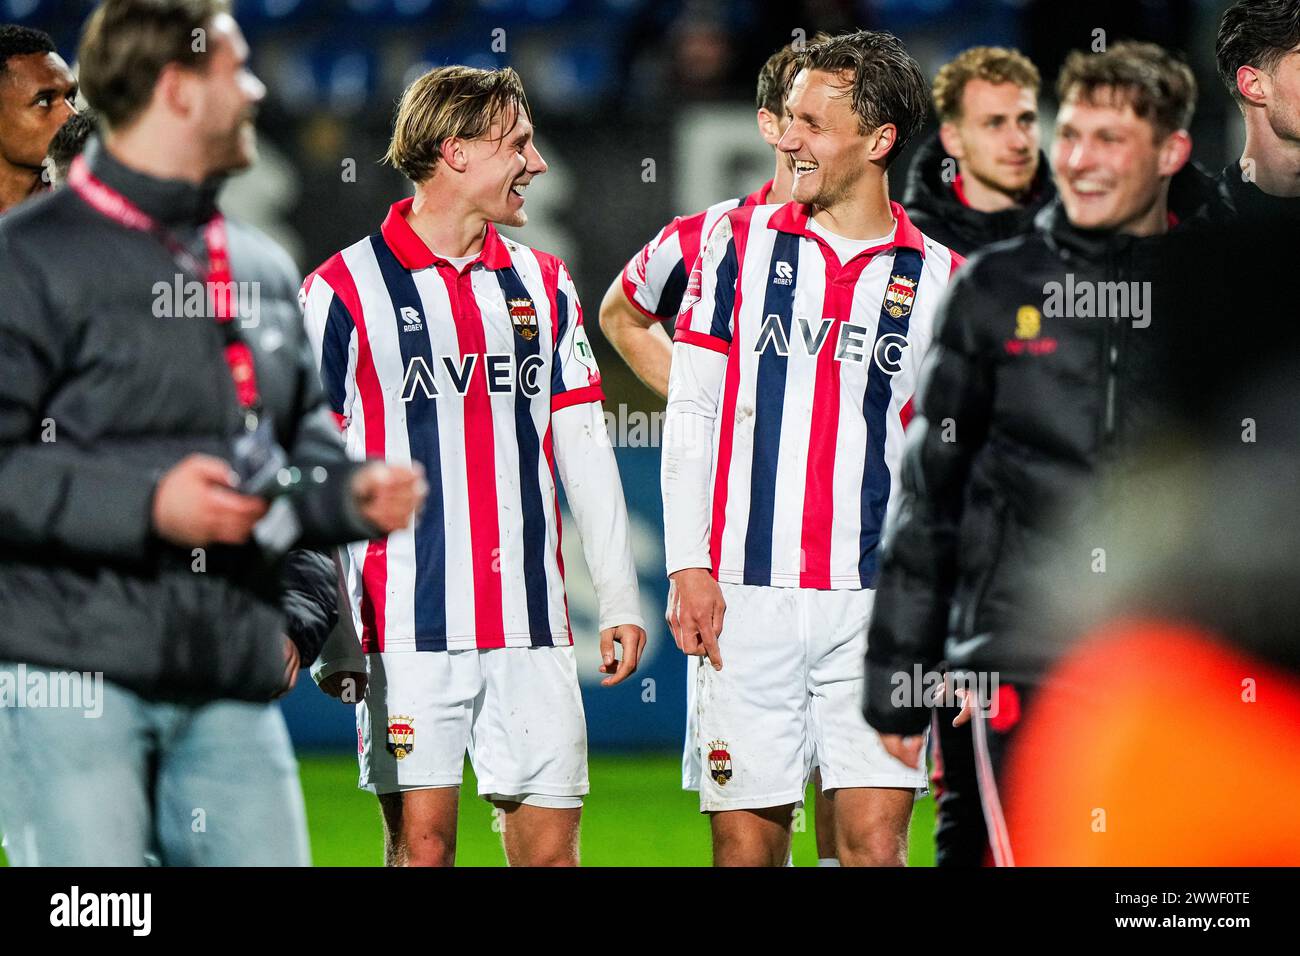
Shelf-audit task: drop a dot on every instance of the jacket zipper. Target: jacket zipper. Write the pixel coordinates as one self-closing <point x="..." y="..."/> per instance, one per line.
<point x="1113" y="335"/>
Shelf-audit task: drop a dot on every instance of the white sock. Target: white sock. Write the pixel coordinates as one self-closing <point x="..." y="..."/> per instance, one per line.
<point x="827" y="861"/>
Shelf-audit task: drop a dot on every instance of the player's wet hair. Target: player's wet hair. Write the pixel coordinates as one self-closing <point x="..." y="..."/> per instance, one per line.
<point x="993" y="64"/>
<point x="22" y="41"/>
<point x="1255" y="33"/>
<point x="777" y="73"/>
<point x="1159" y="86"/>
<point x="448" y="101"/>
<point x="126" y="43"/>
<point x="886" y="86"/>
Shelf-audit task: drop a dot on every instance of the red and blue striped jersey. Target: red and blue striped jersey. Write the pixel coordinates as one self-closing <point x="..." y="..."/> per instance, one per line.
<point x="655" y="278"/>
<point x="460" y="370"/>
<point x="822" y="363"/>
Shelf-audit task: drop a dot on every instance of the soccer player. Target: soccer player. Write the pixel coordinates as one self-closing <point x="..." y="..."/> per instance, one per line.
<point x="1258" y="54"/>
<point x="649" y="291"/>
<point x="37" y="95"/>
<point x="1027" y="400"/>
<point x="982" y="178"/>
<point x="442" y="342"/>
<point x="794" y="362"/>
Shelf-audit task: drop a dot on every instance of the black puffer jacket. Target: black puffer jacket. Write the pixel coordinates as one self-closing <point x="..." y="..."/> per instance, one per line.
<point x="1235" y="198"/>
<point x="935" y="209"/>
<point x="99" y="397"/>
<point x="1020" y="410"/>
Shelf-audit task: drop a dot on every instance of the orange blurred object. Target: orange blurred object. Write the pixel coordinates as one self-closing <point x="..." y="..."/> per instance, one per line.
<point x="1155" y="744"/>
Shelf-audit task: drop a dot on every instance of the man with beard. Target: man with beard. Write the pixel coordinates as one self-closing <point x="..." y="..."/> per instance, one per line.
<point x="154" y="401"/>
<point x="793" y="367"/>
<point x="37" y="95"/>
<point x="982" y="178"/>
<point x="648" y="293"/>
<point x="1039" y="377"/>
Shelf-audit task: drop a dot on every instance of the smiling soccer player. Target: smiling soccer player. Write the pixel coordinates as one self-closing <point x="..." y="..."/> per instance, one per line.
<point x="441" y="341"/>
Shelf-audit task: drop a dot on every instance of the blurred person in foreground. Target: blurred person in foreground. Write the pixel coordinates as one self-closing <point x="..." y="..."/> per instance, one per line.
<point x="1181" y="662"/>
<point x="442" y="342"/>
<point x="1040" y="377"/>
<point x="38" y="94"/>
<point x="153" y="402"/>
<point x="781" y="450"/>
<point x="982" y="178"/>
<point x="648" y="293"/>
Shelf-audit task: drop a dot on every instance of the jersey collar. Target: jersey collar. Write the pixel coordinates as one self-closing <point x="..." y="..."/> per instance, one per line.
<point x="759" y="198"/>
<point x="793" y="217"/>
<point x="413" y="254"/>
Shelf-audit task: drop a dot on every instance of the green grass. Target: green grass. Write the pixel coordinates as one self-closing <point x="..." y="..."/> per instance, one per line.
<point x="637" y="815"/>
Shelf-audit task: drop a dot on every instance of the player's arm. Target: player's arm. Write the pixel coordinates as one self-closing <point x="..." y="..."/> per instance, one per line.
<point x="919" y="557"/>
<point x="702" y="343"/>
<point x="640" y="298"/>
<point x="638" y="337"/>
<point x="589" y="473"/>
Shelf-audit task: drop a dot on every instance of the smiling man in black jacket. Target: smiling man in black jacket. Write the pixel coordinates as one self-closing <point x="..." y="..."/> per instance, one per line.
<point x="163" y="443"/>
<point x="982" y="178"/>
<point x="1039" y="375"/>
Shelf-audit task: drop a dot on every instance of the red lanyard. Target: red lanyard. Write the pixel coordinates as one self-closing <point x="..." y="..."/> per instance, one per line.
<point x="216" y="277"/>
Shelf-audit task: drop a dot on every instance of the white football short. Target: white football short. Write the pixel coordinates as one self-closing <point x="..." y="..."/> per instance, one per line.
<point x="517" y="711"/>
<point x="791" y="687"/>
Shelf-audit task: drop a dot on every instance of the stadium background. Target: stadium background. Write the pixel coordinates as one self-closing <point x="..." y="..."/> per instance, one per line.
<point x="644" y="110"/>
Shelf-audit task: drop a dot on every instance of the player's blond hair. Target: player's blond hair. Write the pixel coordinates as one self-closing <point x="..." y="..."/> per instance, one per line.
<point x="993" y="64"/>
<point x="459" y="101"/>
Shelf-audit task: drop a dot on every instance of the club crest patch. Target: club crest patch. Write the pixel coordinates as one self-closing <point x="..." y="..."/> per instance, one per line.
<point x="401" y="735"/>
<point x="524" y="317"/>
<point x="899" y="296"/>
<point x="719" y="762"/>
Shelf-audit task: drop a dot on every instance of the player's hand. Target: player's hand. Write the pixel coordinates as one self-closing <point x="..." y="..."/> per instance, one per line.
<point x="195" y="504"/>
<point x="292" y="664"/>
<point x="967" y="707"/>
<point x="347" y="686"/>
<point x="700" y="610"/>
<point x="389" y="495"/>
<point x="906" y="749"/>
<point x="633" y="640"/>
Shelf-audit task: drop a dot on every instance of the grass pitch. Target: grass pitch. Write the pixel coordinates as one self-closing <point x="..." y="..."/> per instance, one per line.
<point x="637" y="815"/>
